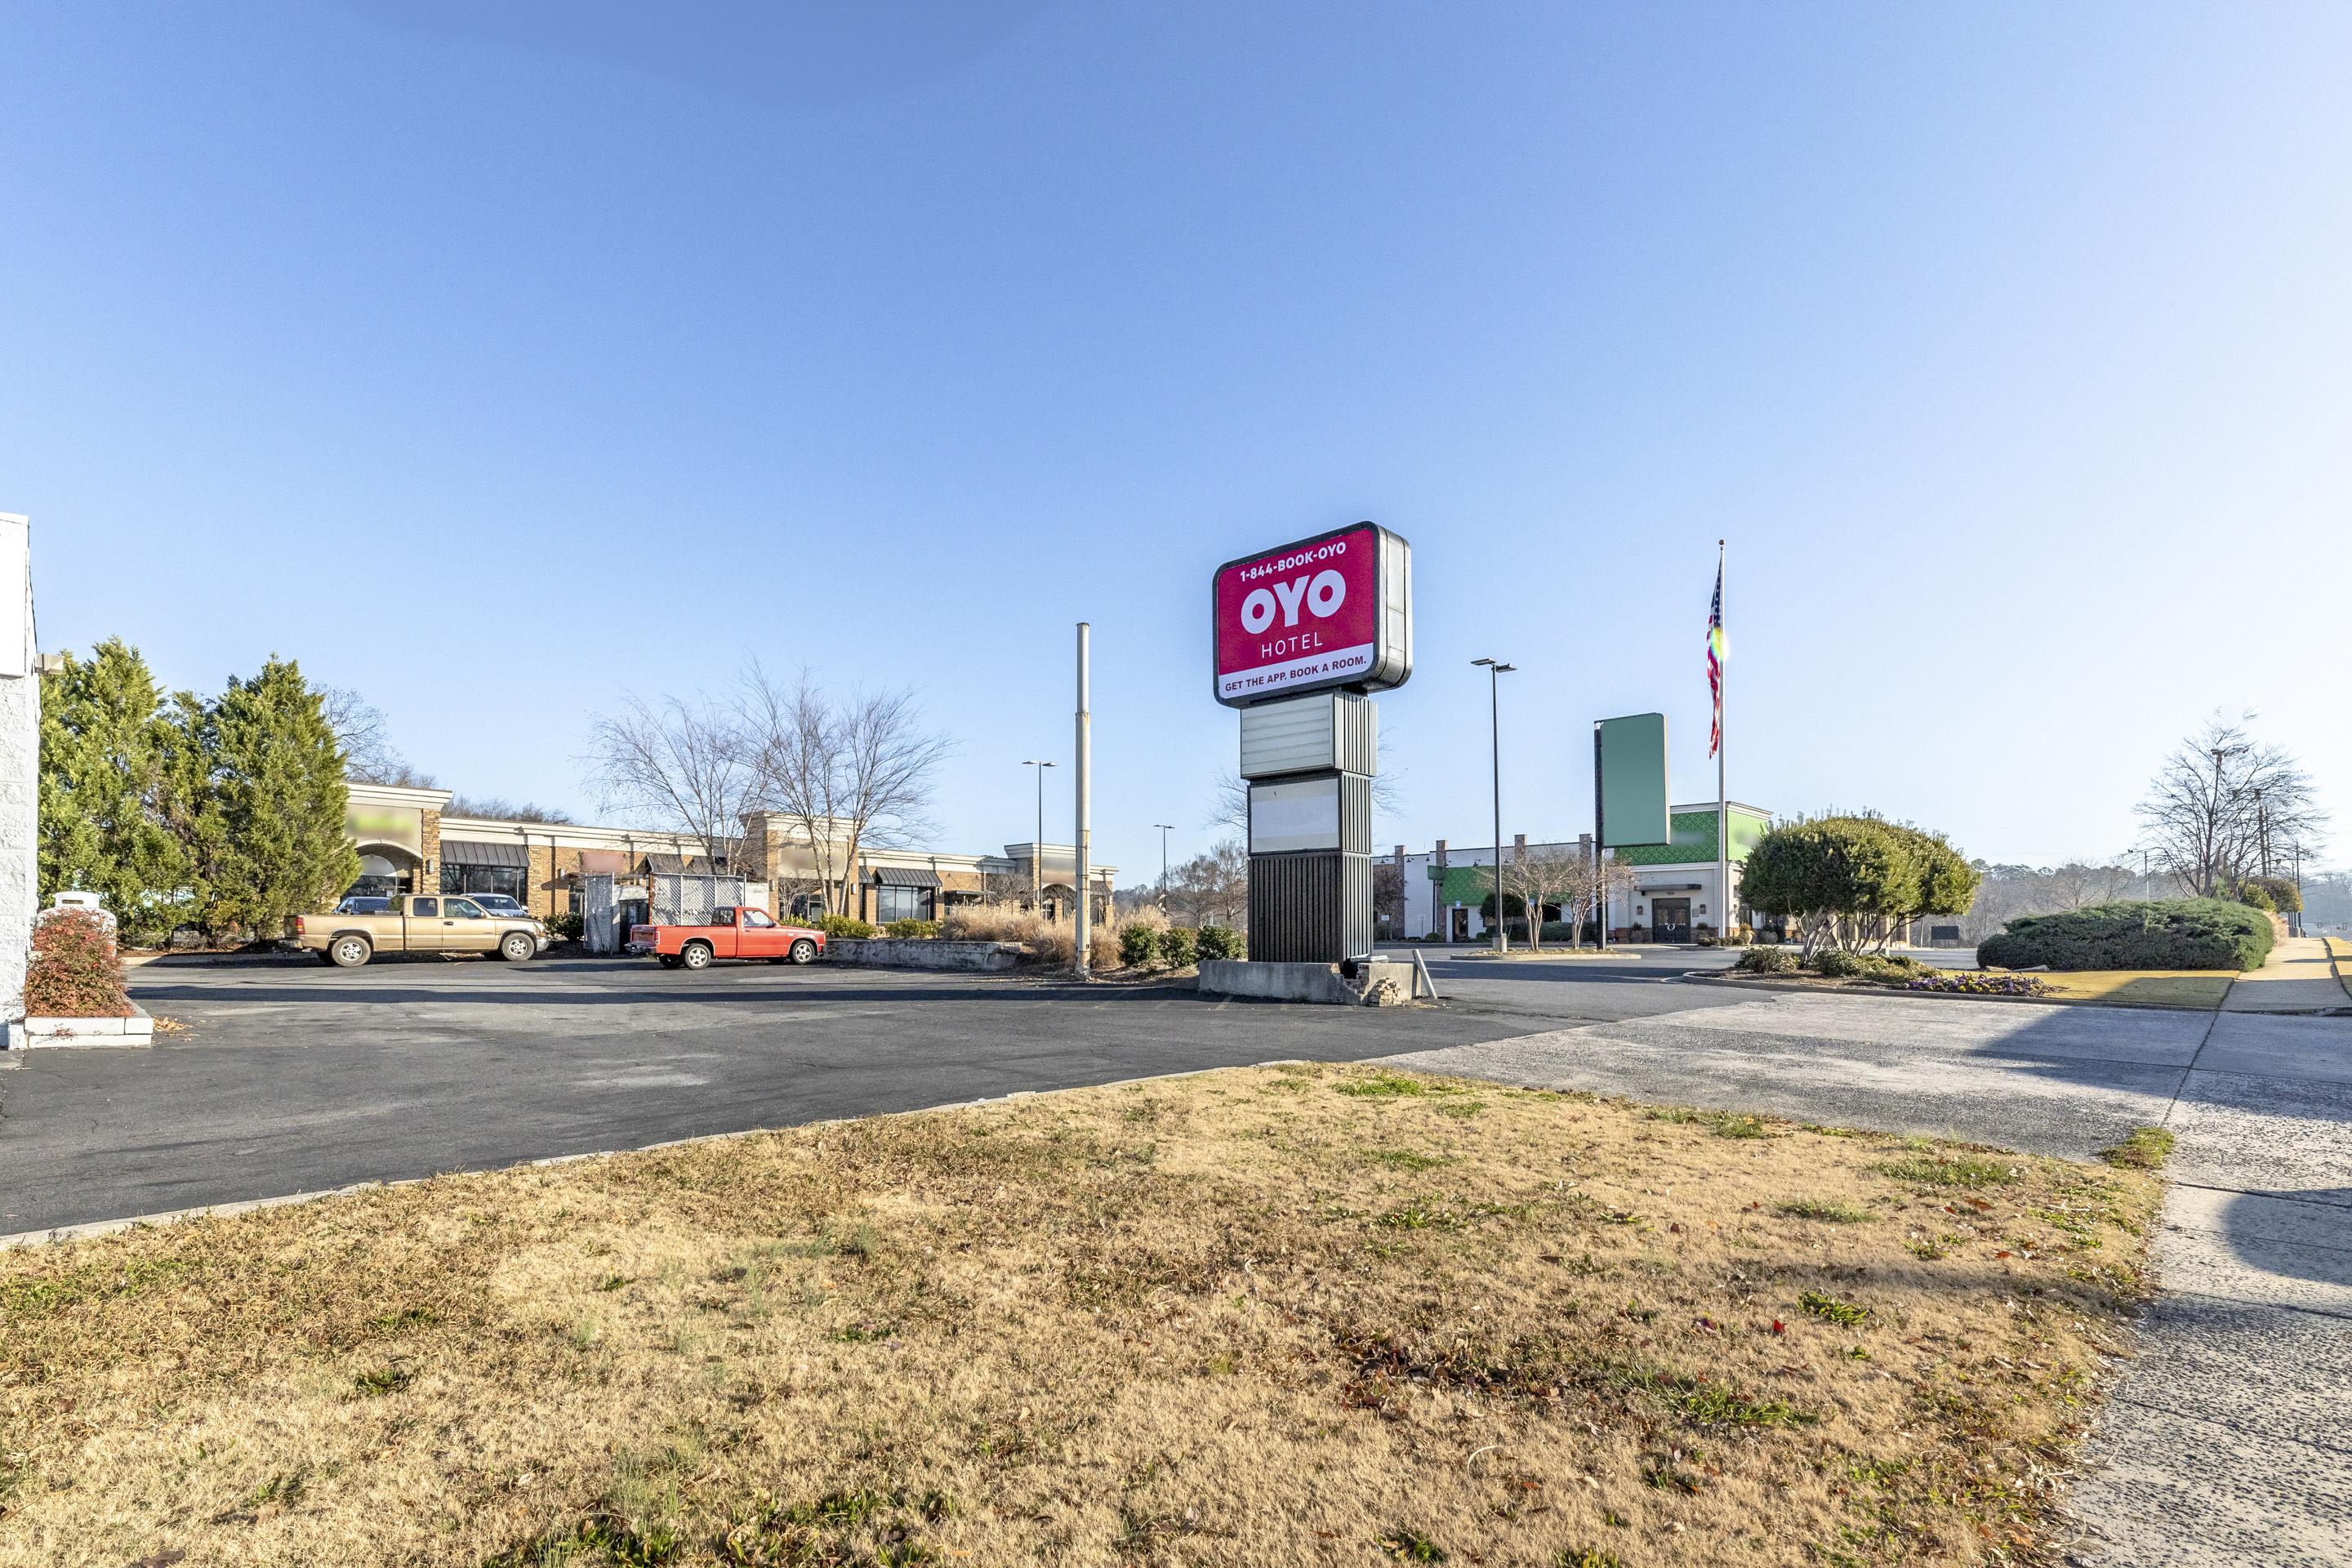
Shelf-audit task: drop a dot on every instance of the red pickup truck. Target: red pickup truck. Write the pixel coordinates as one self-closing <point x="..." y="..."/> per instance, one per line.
<point x="743" y="932"/>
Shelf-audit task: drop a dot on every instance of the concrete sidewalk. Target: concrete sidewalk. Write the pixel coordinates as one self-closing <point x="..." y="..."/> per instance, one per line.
<point x="2297" y="977"/>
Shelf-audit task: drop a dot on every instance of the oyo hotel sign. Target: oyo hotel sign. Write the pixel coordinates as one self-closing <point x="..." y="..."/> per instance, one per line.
<point x="1332" y="611"/>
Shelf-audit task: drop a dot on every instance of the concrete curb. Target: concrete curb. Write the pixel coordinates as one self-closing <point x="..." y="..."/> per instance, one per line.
<point x="200" y="960"/>
<point x="1788" y="987"/>
<point x="99" y="1228"/>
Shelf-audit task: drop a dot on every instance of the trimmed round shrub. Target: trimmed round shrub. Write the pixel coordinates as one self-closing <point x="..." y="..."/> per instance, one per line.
<point x="912" y="929"/>
<point x="2283" y="895"/>
<point x="1138" y="947"/>
<point x="1220" y="943"/>
<point x="840" y="926"/>
<point x="1179" y="948"/>
<point x="2167" y="933"/>
<point x="1767" y="960"/>
<point x="74" y="972"/>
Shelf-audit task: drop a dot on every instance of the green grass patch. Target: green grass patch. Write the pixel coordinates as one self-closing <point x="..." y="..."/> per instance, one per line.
<point x="1412" y="1546"/>
<point x="1708" y="1404"/>
<point x="382" y="1381"/>
<point x="1829" y="1309"/>
<point x="1383" y="1086"/>
<point x="127" y="1281"/>
<point x="1834" y="1210"/>
<point x="2147" y="1149"/>
<point x="1406" y="1160"/>
<point x="1949" y="1170"/>
<point x="1726" y="1123"/>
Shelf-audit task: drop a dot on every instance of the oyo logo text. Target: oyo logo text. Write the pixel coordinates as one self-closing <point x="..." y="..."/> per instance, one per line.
<point x="1323" y="594"/>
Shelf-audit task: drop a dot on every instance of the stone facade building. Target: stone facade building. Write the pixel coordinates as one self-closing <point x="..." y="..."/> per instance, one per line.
<point x="408" y="842"/>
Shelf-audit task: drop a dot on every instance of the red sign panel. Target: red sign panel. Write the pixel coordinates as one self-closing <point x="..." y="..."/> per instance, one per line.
<point x="1325" y="612"/>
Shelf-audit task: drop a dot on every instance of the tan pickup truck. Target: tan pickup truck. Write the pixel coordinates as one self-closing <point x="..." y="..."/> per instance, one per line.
<point x="420" y="922"/>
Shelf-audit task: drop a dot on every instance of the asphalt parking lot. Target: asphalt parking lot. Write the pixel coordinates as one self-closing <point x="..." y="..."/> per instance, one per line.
<point x="294" y="1079"/>
<point x="302" y="1078"/>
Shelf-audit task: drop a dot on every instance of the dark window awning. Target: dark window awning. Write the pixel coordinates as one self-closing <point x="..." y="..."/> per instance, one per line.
<point x="460" y="852"/>
<point x="678" y="865"/>
<point x="897" y="877"/>
<point x="1672" y="887"/>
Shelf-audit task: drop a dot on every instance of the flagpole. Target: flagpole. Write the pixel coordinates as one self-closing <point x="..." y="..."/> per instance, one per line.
<point x="1724" y="916"/>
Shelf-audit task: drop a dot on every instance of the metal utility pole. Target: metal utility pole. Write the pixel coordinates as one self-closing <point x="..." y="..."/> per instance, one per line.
<point x="1164" y="828"/>
<point x="2262" y="831"/>
<point x="1086" y="801"/>
<point x="1726" y="916"/>
<point x="1495" y="673"/>
<point x="1037" y="849"/>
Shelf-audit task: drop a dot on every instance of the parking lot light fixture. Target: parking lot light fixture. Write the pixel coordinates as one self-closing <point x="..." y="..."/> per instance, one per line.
<point x="1494" y="672"/>
<point x="1165" y="828"/>
<point x="1038" y="849"/>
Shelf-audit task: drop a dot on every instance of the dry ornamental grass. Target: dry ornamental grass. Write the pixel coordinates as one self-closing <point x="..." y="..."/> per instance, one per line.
<point x="1266" y="1316"/>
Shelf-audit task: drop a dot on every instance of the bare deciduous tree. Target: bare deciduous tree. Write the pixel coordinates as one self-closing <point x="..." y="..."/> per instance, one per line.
<point x="678" y="765"/>
<point x="1592" y="882"/>
<point x="1544" y="874"/>
<point x="2224" y="807"/>
<point x="850" y="773"/>
<point x="369" y="755"/>
<point x="1212" y="889"/>
<point x="495" y="809"/>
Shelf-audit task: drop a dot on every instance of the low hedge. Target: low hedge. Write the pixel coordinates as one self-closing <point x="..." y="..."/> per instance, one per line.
<point x="1215" y="942"/>
<point x="841" y="927"/>
<point x="2170" y="933"/>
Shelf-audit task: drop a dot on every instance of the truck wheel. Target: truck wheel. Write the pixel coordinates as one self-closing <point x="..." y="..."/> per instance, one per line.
<point x="805" y="952"/>
<point x="695" y="956"/>
<point x="349" y="952"/>
<point x="518" y="945"/>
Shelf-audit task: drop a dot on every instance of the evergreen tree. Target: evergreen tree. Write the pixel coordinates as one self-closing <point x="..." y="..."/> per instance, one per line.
<point x="270" y="827"/>
<point x="102" y="825"/>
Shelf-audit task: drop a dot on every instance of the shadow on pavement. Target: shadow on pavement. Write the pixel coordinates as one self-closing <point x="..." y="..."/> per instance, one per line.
<point x="2314" y="1242"/>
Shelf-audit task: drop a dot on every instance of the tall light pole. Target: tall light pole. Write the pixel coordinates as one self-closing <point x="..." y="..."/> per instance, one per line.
<point x="1495" y="673"/>
<point x="1085" y="811"/>
<point x="1164" y="828"/>
<point x="1037" y="849"/>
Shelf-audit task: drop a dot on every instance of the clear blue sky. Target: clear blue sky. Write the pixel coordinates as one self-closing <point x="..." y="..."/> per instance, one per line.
<point x="486" y="366"/>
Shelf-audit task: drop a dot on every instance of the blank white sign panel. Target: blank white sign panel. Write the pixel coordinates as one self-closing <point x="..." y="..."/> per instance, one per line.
<point x="1300" y="815"/>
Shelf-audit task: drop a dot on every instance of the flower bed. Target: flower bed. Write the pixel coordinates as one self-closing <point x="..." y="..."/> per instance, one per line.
<point x="1968" y="984"/>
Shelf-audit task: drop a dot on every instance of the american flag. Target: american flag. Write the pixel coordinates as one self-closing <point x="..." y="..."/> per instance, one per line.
<point x="1715" y="650"/>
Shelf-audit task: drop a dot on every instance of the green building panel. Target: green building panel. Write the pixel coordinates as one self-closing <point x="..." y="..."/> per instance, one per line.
<point x="1693" y="844"/>
<point x="1694" y="839"/>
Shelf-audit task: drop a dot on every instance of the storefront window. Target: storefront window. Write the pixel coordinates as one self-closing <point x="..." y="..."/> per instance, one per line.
<point x="902" y="904"/>
<point x="511" y="881"/>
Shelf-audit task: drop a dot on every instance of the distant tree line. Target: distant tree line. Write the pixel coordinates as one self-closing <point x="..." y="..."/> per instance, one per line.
<point x="223" y="813"/>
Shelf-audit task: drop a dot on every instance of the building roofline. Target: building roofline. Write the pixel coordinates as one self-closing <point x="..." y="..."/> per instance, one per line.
<point x="398" y="794"/>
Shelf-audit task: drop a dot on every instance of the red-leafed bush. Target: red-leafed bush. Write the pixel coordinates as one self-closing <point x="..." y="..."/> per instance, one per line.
<point x="74" y="973"/>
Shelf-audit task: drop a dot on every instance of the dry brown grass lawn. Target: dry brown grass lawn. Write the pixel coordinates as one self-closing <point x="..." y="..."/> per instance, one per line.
<point x="1269" y="1316"/>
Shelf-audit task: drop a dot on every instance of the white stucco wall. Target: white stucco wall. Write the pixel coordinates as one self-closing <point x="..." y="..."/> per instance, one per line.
<point x="20" y="760"/>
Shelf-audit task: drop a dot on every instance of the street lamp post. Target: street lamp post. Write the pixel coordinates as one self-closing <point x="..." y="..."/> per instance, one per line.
<point x="1038" y="849"/>
<point x="1164" y="829"/>
<point x="1494" y="672"/>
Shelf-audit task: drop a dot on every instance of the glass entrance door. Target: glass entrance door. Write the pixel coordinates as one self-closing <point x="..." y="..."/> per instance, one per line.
<point x="1670" y="919"/>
